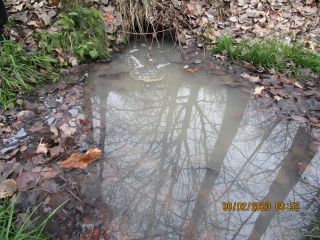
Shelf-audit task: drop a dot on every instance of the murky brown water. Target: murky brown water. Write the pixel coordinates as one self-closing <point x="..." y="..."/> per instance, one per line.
<point x="177" y="145"/>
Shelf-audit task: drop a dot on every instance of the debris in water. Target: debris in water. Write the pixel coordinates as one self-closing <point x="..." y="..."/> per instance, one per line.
<point x="162" y="65"/>
<point x="137" y="62"/>
<point x="190" y="69"/>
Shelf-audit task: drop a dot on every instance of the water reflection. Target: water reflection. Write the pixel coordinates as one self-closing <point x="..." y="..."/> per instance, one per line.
<point x="176" y="149"/>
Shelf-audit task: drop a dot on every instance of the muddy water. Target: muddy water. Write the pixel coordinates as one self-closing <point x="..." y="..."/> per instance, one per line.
<point x="177" y="145"/>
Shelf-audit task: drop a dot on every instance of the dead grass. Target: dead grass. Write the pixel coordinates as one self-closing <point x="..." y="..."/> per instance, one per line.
<point x="136" y="15"/>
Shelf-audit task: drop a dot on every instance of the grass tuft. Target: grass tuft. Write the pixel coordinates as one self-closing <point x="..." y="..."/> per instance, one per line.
<point x="29" y="229"/>
<point x="21" y="72"/>
<point x="270" y="54"/>
<point x="81" y="34"/>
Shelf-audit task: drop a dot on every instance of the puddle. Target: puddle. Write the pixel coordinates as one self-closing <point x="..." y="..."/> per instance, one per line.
<point x="178" y="145"/>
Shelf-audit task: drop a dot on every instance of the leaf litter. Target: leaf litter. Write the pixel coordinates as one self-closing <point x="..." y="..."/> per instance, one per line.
<point x="31" y="166"/>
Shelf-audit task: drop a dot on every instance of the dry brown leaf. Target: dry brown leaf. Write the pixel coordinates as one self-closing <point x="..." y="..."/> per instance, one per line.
<point x="7" y="188"/>
<point x="190" y="9"/>
<point x="191" y="69"/>
<point x="108" y="18"/>
<point x="61" y="59"/>
<point x="78" y="160"/>
<point x="48" y="173"/>
<point x="73" y="61"/>
<point x="56" y="151"/>
<point x="299" y="85"/>
<point x="54" y="131"/>
<point x="67" y="130"/>
<point x="258" y="90"/>
<point x="42" y="148"/>
<point x="277" y="98"/>
<point x="58" y="50"/>
<point x="27" y="180"/>
<point x="253" y="79"/>
<point x="299" y="118"/>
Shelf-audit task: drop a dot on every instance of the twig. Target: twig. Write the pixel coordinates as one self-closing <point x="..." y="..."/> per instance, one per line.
<point x="73" y="194"/>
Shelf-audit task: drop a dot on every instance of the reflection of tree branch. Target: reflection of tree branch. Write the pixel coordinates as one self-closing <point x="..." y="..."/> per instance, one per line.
<point x="293" y="165"/>
<point x="229" y="127"/>
<point x="264" y="138"/>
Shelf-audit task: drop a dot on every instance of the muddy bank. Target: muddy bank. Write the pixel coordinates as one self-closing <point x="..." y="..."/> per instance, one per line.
<point x="52" y="125"/>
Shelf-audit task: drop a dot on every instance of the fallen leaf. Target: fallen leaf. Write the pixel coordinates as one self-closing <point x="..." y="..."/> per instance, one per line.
<point x="253" y="79"/>
<point x="27" y="180"/>
<point x="299" y="118"/>
<point x="42" y="148"/>
<point x="299" y="85"/>
<point x="277" y="98"/>
<point x="221" y="57"/>
<point x="22" y="115"/>
<point x="191" y="69"/>
<point x="48" y="173"/>
<point x="258" y="90"/>
<point x="190" y="9"/>
<point x="67" y="130"/>
<point x="51" y="186"/>
<point x="78" y="160"/>
<point x="54" y="131"/>
<point x="58" y="50"/>
<point x="56" y="151"/>
<point x="108" y="18"/>
<point x="73" y="61"/>
<point x="61" y="59"/>
<point x="7" y="188"/>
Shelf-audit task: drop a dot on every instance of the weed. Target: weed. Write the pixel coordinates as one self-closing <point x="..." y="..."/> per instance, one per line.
<point x="270" y="54"/>
<point x="29" y="229"/>
<point x="21" y="72"/>
<point x="81" y="34"/>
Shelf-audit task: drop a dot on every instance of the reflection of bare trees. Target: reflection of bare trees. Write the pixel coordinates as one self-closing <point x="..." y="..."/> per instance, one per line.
<point x="229" y="127"/>
<point x="293" y="165"/>
<point x="175" y="152"/>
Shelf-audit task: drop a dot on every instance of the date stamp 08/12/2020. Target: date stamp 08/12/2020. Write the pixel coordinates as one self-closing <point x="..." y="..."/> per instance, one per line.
<point x="261" y="206"/>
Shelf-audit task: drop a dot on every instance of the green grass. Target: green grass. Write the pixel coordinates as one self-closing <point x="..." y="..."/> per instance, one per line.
<point x="313" y="231"/>
<point x="21" y="72"/>
<point x="80" y="34"/>
<point x="29" y="229"/>
<point x="270" y="54"/>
